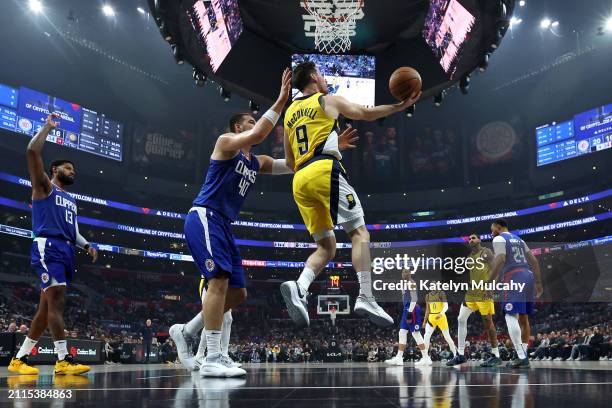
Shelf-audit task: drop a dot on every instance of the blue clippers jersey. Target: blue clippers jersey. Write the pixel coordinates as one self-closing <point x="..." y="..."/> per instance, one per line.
<point x="515" y="253"/>
<point x="54" y="216"/>
<point x="227" y="185"/>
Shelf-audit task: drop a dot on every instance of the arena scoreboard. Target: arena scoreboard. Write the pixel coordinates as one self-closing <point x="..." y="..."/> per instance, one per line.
<point x="25" y="110"/>
<point x="587" y="132"/>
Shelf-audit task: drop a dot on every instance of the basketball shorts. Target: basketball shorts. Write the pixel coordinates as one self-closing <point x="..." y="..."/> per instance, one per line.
<point x="519" y="301"/>
<point x="416" y="319"/>
<point x="485" y="308"/>
<point x="325" y="198"/>
<point x="213" y="247"/>
<point x="441" y="323"/>
<point x="53" y="261"/>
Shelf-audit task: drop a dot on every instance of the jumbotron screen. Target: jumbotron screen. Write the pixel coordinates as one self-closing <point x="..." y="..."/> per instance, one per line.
<point x="585" y="133"/>
<point x="447" y="26"/>
<point x="25" y="110"/>
<point x="219" y="25"/>
<point x="350" y="76"/>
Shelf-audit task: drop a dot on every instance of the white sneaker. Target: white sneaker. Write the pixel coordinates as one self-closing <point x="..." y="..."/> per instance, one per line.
<point x="367" y="306"/>
<point x="219" y="366"/>
<point x="189" y="363"/>
<point x="234" y="363"/>
<point x="178" y="336"/>
<point x="396" y="361"/>
<point x="197" y="362"/>
<point x="297" y="304"/>
<point x="425" y="361"/>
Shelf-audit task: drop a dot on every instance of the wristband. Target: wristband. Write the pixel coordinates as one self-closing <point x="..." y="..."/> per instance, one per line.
<point x="271" y="116"/>
<point x="279" y="166"/>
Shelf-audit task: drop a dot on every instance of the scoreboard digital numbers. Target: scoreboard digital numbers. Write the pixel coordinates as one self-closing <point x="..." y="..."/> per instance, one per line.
<point x="334" y="283"/>
<point x="587" y="132"/>
<point x="25" y="110"/>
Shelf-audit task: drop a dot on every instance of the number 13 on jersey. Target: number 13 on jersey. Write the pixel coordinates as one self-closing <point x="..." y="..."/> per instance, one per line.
<point x="301" y="135"/>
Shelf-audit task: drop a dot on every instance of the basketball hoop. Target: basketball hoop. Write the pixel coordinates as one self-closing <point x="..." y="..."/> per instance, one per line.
<point x="333" y="22"/>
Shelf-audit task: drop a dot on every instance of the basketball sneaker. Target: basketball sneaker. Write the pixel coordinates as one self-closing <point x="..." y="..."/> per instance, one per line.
<point x="21" y="366"/>
<point x="367" y="306"/>
<point x="425" y="361"/>
<point x="518" y="363"/>
<point x="178" y="336"/>
<point x="458" y="359"/>
<point x="396" y="361"/>
<point x="67" y="366"/>
<point x="218" y="365"/>
<point x="297" y="302"/>
<point x="492" y="362"/>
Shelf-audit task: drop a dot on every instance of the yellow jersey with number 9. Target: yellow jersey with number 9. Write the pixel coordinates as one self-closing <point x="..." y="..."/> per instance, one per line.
<point x="311" y="132"/>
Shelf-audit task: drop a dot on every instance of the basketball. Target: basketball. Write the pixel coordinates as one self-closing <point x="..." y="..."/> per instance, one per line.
<point x="404" y="82"/>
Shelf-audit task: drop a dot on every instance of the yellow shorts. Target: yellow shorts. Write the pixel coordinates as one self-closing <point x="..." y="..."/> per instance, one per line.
<point x="324" y="196"/>
<point x="441" y="323"/>
<point x="484" y="308"/>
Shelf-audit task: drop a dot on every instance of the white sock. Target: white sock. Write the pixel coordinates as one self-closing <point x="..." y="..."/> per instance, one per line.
<point x="464" y="315"/>
<point x="226" y="330"/>
<point x="306" y="278"/>
<point x="213" y="341"/>
<point x="194" y="326"/>
<point x="424" y="353"/>
<point x="26" y="347"/>
<point x="365" y="283"/>
<point x="514" y="331"/>
<point x="525" y="347"/>
<point x="61" y="349"/>
<point x="495" y="351"/>
<point x="202" y="346"/>
<point x="449" y="340"/>
<point x="400" y="353"/>
<point x="428" y="332"/>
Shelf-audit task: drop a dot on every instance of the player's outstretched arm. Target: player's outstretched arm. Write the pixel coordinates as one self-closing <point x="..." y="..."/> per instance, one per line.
<point x="335" y="106"/>
<point x="264" y="125"/>
<point x="269" y="165"/>
<point x="41" y="185"/>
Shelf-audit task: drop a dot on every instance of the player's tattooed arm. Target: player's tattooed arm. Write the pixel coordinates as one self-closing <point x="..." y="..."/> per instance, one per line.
<point x="41" y="185"/>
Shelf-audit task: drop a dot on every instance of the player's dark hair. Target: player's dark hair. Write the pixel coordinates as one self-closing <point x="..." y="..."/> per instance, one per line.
<point x="301" y="75"/>
<point x="501" y="222"/>
<point x="57" y="163"/>
<point x="235" y="119"/>
<point x="473" y="233"/>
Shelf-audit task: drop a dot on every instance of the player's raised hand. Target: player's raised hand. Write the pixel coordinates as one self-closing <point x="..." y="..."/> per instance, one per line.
<point x="347" y="139"/>
<point x="409" y="102"/>
<point x="93" y="252"/>
<point x="285" y="90"/>
<point x="50" y="122"/>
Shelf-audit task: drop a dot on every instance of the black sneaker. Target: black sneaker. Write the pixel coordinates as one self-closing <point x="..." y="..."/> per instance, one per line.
<point x="519" y="363"/>
<point x="492" y="362"/>
<point x="458" y="359"/>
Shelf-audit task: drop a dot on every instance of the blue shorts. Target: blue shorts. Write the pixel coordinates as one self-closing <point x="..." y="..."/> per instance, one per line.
<point x="53" y="261"/>
<point x="213" y="247"/>
<point x="517" y="301"/>
<point x="417" y="319"/>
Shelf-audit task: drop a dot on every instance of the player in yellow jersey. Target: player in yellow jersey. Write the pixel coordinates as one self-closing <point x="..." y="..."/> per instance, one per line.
<point x="435" y="316"/>
<point x="321" y="189"/>
<point x="478" y="300"/>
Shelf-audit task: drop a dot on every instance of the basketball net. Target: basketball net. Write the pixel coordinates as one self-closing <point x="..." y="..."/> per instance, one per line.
<point x="332" y="315"/>
<point x="333" y="22"/>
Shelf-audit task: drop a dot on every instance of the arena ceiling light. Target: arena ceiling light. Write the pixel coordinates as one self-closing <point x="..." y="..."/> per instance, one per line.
<point x="140" y="10"/>
<point x="608" y="25"/>
<point x="35" y="5"/>
<point x="438" y="98"/>
<point x="178" y="54"/>
<point x="545" y="23"/>
<point x="410" y="113"/>
<point x="555" y="24"/>
<point x="514" y="21"/>
<point x="254" y="107"/>
<point x="464" y="84"/>
<point x="225" y="94"/>
<point x="522" y="3"/>
<point x="108" y="10"/>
